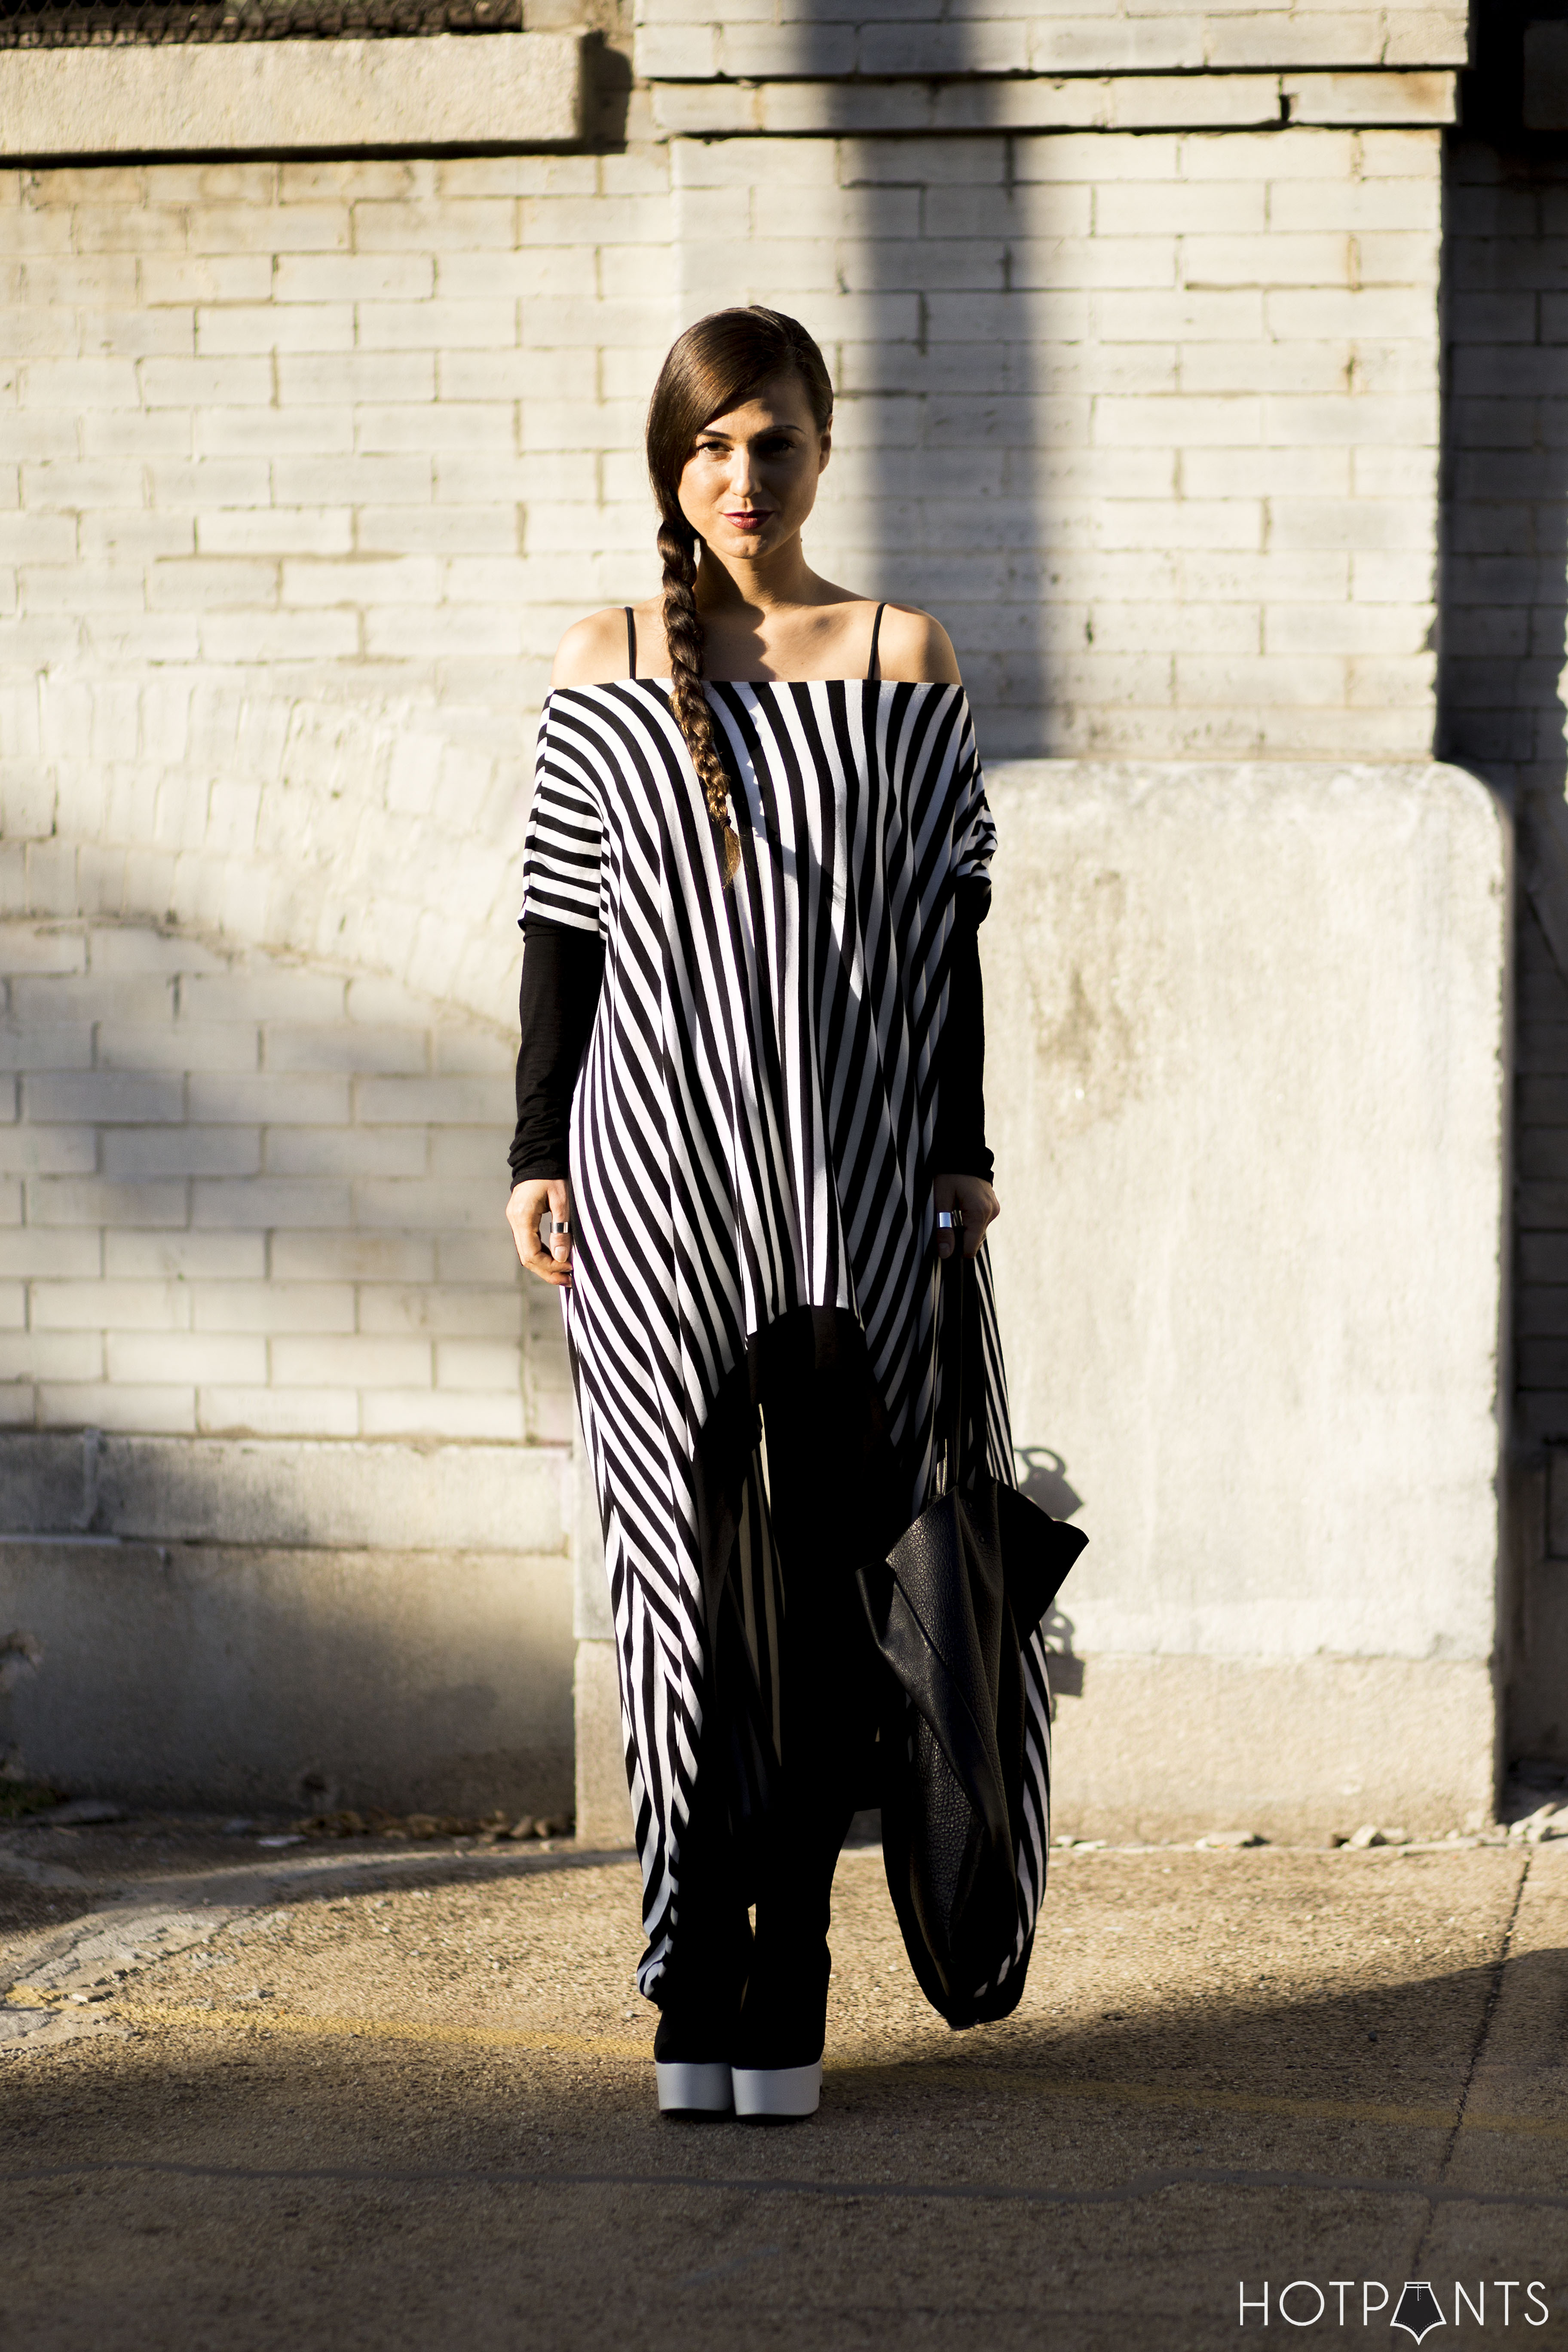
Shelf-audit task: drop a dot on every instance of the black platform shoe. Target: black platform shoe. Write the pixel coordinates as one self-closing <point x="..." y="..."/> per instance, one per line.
<point x="777" y="2064"/>
<point x="698" y="2013"/>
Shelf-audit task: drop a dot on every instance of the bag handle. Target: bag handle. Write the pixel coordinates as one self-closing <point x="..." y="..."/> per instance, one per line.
<point x="955" y="1285"/>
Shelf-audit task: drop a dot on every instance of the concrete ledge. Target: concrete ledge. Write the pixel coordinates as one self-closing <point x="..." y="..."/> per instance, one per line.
<point x="294" y="1492"/>
<point x="429" y="1681"/>
<point x="509" y="89"/>
<point x="1028" y="102"/>
<point x="603" y="1800"/>
<point x="1171" y="1747"/>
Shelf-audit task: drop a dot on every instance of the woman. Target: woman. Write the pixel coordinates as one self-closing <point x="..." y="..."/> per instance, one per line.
<point x="750" y="1085"/>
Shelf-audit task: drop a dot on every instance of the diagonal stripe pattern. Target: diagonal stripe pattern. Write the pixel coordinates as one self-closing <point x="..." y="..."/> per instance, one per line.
<point x="752" y="1131"/>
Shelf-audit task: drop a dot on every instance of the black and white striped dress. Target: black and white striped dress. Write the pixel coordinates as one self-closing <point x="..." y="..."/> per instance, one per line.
<point x="750" y="1135"/>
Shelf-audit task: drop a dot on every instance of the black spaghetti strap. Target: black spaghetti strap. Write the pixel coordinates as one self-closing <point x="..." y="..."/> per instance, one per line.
<point x="871" y="669"/>
<point x="631" y="642"/>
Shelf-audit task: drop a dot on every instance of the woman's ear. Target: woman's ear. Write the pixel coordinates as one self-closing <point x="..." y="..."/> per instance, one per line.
<point x="826" y="446"/>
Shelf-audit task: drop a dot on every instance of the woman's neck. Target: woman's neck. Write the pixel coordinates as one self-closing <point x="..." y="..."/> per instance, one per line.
<point x="776" y="581"/>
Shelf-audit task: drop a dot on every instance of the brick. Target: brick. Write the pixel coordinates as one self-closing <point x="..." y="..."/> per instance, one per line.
<point x="1265" y="472"/>
<point x="277" y="531"/>
<point x="231" y="381"/>
<point x="64" y="483"/>
<point x="273" y="432"/>
<point x="50" y="1356"/>
<point x="354" y="277"/>
<point x="353" y="1257"/>
<point x="362" y="581"/>
<point x="190" y="279"/>
<point x="47" y="1150"/>
<point x="402" y="1101"/>
<point x="30" y="948"/>
<point x="63" y="1254"/>
<point x="279" y="636"/>
<point x="138" y="334"/>
<point x="477" y="1364"/>
<point x="270" y="228"/>
<point x="421" y="328"/>
<point x="386" y="481"/>
<point x="180" y="1045"/>
<point x="1178" y="422"/>
<point x="184" y="1257"/>
<point x="1395" y="629"/>
<point x="1363" y="420"/>
<point x="278" y="1412"/>
<point x="269" y="1306"/>
<point x="210" y="583"/>
<point x="470" y="427"/>
<point x="110" y="1306"/>
<point x="1377" y="314"/>
<point x="441" y="1414"/>
<point x="476" y="223"/>
<point x="168" y="1358"/>
<point x="1353" y="523"/>
<point x="378" y="1361"/>
<point x="101" y="1095"/>
<point x="438" y="530"/>
<point x="294" y="327"/>
<point x="262" y="1203"/>
<point x="210" y="482"/>
<point x="476" y="1053"/>
<point x="181" y="1151"/>
<point x="1272" y="679"/>
<point x="57" y="386"/>
<point x="94" y="1200"/>
<point x="415" y="631"/>
<point x="347" y="1151"/>
<point x="431" y="1206"/>
<point x="346" y="376"/>
<point x="443" y="1310"/>
<point x="117" y="1405"/>
<point x="122" y="538"/>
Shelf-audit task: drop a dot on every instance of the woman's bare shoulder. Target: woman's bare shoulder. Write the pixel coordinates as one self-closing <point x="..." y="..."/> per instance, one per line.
<point x="913" y="646"/>
<point x="592" y="651"/>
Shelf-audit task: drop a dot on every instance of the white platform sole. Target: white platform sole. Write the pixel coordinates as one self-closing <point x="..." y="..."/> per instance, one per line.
<point x="764" y="2091"/>
<point x="687" y="2090"/>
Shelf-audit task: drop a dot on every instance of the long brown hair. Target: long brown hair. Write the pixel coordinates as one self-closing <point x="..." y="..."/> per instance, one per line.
<point x="714" y="366"/>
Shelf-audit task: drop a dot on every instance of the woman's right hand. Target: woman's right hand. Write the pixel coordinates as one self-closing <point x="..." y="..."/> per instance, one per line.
<point x="550" y="1262"/>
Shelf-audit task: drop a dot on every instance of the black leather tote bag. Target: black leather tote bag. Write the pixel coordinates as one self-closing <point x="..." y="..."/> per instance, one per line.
<point x="949" y="1610"/>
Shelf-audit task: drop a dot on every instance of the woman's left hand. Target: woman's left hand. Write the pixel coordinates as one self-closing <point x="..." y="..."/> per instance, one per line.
<point x="979" y="1204"/>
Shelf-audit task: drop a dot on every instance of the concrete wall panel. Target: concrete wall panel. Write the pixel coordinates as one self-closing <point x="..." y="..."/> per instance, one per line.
<point x="1247" y="1088"/>
<point x="187" y="1674"/>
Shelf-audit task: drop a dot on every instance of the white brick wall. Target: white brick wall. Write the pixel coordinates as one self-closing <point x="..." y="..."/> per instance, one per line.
<point x="691" y="39"/>
<point x="303" y="474"/>
<point x="242" y="1196"/>
<point x="1507" y="599"/>
<point x="308" y="466"/>
<point x="1152" y="431"/>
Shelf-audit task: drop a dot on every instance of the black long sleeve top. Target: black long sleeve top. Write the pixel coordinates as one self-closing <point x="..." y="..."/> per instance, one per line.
<point x="564" y="971"/>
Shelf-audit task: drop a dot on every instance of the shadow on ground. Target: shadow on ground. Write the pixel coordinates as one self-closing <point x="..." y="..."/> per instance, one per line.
<point x="424" y="2115"/>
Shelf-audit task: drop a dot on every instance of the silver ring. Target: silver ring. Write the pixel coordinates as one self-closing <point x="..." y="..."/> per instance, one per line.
<point x="560" y="1225"/>
<point x="950" y="1221"/>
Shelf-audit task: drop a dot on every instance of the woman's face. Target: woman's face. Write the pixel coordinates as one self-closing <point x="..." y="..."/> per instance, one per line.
<point x="751" y="480"/>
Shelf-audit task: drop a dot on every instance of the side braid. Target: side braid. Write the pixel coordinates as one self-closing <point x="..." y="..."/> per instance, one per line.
<point x="683" y="634"/>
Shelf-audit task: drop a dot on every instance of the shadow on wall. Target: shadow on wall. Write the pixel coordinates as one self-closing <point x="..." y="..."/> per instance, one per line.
<point x="263" y="1508"/>
<point x="1502" y="710"/>
<point x="250" y="1196"/>
<point x="941" y="344"/>
<point x="190" y="1674"/>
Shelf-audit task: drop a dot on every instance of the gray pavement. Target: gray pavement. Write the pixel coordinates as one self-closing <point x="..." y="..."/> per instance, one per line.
<point x="358" y="2096"/>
